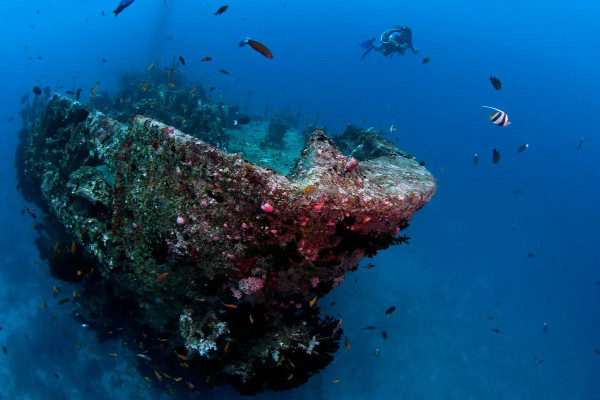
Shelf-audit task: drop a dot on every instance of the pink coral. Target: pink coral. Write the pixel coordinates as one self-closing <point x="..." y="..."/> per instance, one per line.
<point x="250" y="285"/>
<point x="314" y="281"/>
<point x="351" y="164"/>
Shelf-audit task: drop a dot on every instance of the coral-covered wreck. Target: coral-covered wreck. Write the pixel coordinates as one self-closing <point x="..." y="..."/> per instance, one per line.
<point x="214" y="262"/>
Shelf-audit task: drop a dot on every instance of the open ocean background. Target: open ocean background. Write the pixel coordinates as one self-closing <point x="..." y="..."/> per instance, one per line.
<point x="468" y="257"/>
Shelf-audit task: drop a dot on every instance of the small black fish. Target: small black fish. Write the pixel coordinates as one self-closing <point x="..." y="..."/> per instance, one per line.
<point x="580" y="143"/>
<point x="490" y="317"/>
<point x="545" y="327"/>
<point x="63" y="301"/>
<point x="597" y="351"/>
<point x="598" y="283"/>
<point x="70" y="92"/>
<point x="37" y="90"/>
<point x="77" y="94"/>
<point x="495" y="330"/>
<point x="223" y="72"/>
<point x="122" y="5"/>
<point x="39" y="57"/>
<point x="496" y="83"/>
<point x="425" y="60"/>
<point x="522" y="148"/>
<point x="390" y="310"/>
<point x="243" y="120"/>
<point x="11" y="118"/>
<point x="104" y="60"/>
<point x="495" y="156"/>
<point x="221" y="10"/>
<point x="537" y="364"/>
<point x="4" y="350"/>
<point x="211" y="89"/>
<point x="56" y="375"/>
<point x="475" y="159"/>
<point x="181" y="60"/>
<point x="103" y="13"/>
<point x="384" y="334"/>
<point x="368" y="328"/>
<point x="169" y="37"/>
<point x="530" y="255"/>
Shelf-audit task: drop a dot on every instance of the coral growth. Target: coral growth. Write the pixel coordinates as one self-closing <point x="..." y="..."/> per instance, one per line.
<point x="223" y="257"/>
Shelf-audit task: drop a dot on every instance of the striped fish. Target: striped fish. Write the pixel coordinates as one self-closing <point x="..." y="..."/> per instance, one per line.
<point x="499" y="118"/>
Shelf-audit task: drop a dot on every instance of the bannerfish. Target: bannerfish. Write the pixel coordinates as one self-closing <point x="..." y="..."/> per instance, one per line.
<point x="499" y="118"/>
<point x="522" y="147"/>
<point x="261" y="48"/>
<point x="475" y="159"/>
<point x="496" y="83"/>
<point x="221" y="10"/>
<point x="122" y="5"/>
<point x="496" y="156"/>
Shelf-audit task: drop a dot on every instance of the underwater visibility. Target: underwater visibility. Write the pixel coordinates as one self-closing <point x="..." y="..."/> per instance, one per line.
<point x="299" y="200"/>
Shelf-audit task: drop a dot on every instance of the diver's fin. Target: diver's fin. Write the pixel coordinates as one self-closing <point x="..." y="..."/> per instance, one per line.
<point x="367" y="52"/>
<point x="367" y="43"/>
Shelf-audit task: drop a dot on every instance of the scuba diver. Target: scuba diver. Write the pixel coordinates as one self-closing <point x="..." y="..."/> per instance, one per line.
<point x="394" y="40"/>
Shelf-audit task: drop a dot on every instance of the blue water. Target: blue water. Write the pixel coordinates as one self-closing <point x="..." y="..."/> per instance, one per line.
<point x="468" y="257"/>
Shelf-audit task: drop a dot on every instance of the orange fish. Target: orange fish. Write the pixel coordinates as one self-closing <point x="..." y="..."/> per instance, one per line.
<point x="206" y="59"/>
<point x="158" y="375"/>
<point x="313" y="301"/>
<point x="73" y="247"/>
<point x="95" y="88"/>
<point x="347" y="344"/>
<point x="171" y="85"/>
<point x="369" y="266"/>
<point x="145" y="86"/>
<point x="230" y="305"/>
<point x="184" y="358"/>
<point x="113" y="355"/>
<point x="192" y="91"/>
<point x="261" y="48"/>
<point x="335" y="381"/>
<point x="162" y="277"/>
<point x="251" y="319"/>
<point x="121" y="101"/>
<point x="227" y="347"/>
